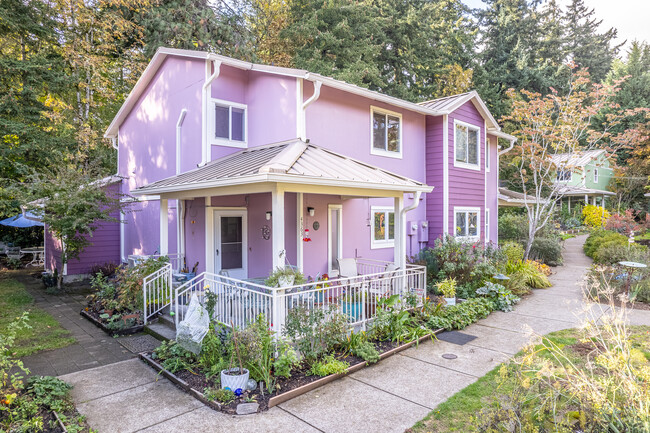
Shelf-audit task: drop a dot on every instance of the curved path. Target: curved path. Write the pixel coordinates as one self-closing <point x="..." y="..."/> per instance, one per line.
<point x="388" y="397"/>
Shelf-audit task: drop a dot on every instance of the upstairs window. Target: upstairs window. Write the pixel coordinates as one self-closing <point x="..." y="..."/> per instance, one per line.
<point x="228" y="123"/>
<point x="467" y="222"/>
<point x="595" y="175"/>
<point x="466" y="149"/>
<point x="383" y="227"/>
<point x="386" y="132"/>
<point x="564" y="174"/>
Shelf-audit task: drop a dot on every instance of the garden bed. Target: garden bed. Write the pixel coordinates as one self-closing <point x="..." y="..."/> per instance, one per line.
<point x="298" y="384"/>
<point x="93" y="316"/>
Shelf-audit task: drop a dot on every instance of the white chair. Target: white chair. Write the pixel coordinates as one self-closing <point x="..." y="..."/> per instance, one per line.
<point x="14" y="253"/>
<point x="386" y="282"/>
<point x="348" y="268"/>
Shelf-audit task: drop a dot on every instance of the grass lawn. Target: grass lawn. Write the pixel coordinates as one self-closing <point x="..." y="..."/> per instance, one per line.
<point x="458" y="413"/>
<point x="45" y="332"/>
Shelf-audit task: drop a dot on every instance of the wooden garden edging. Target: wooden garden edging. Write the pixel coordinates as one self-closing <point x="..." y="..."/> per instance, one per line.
<point x="111" y="332"/>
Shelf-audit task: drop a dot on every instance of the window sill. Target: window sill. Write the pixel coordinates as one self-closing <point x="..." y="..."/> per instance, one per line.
<point x="388" y="154"/>
<point x="475" y="167"/>
<point x="229" y="143"/>
<point x="468" y="239"/>
<point x="378" y="246"/>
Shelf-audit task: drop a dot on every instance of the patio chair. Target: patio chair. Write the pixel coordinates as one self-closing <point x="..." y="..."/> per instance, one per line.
<point x="385" y="284"/>
<point x="14" y="253"/>
<point x="348" y="268"/>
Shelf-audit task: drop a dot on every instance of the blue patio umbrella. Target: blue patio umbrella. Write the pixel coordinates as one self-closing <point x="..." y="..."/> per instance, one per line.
<point x="20" y="221"/>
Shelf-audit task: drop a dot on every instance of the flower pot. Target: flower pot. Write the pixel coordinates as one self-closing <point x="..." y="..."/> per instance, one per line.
<point x="450" y="301"/>
<point x="286" y="280"/>
<point x="234" y="381"/>
<point x="353" y="310"/>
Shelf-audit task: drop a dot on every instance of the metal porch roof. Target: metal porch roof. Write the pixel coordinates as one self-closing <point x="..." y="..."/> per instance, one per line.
<point x="578" y="159"/>
<point x="291" y="161"/>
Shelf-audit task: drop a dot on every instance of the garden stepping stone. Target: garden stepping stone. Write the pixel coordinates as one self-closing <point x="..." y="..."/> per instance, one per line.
<point x="247" y="408"/>
<point x="456" y="337"/>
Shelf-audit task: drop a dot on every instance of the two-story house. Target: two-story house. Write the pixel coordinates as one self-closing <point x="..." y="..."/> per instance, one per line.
<point x="242" y="167"/>
<point x="585" y="177"/>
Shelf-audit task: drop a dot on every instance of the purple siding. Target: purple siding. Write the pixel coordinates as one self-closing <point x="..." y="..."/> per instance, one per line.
<point x="492" y="184"/>
<point x="466" y="187"/>
<point x="435" y="176"/>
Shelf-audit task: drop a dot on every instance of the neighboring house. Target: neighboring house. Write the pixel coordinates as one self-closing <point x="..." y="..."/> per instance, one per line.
<point x="241" y="167"/>
<point x="585" y="175"/>
<point x="509" y="198"/>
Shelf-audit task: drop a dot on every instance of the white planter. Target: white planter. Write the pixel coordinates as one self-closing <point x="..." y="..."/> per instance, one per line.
<point x="286" y="280"/>
<point x="234" y="381"/>
<point x="450" y="301"/>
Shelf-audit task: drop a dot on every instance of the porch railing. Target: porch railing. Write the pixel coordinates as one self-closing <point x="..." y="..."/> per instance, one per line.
<point x="239" y="302"/>
<point x="176" y="259"/>
<point x="157" y="291"/>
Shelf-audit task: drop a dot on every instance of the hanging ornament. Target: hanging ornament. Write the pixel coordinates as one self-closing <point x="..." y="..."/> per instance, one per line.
<point x="305" y="236"/>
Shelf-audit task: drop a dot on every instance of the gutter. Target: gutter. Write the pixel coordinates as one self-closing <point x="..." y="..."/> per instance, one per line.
<point x="204" y="112"/>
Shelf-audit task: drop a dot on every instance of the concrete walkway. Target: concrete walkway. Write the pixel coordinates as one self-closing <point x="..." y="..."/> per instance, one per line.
<point x="388" y="397"/>
<point x="93" y="347"/>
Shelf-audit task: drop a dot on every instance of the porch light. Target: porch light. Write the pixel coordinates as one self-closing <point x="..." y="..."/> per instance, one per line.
<point x="311" y="211"/>
<point x="268" y="215"/>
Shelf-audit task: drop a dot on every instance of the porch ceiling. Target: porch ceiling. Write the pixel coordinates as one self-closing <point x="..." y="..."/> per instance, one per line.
<point x="298" y="165"/>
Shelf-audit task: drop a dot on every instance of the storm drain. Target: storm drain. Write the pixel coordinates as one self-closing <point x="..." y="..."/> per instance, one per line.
<point x="456" y="337"/>
<point x="139" y="343"/>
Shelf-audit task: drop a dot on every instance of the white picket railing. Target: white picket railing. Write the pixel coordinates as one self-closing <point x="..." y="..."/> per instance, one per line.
<point x="157" y="291"/>
<point x="239" y="302"/>
<point x="176" y="259"/>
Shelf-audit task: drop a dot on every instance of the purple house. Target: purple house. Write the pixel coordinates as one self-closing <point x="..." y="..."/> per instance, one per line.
<point x="242" y="168"/>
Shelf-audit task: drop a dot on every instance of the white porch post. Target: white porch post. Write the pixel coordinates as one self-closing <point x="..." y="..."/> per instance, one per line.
<point x="164" y="227"/>
<point x="299" y="228"/>
<point x="277" y="236"/>
<point x="400" y="234"/>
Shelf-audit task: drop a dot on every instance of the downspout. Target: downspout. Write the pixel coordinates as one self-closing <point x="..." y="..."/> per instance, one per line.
<point x="180" y="231"/>
<point x="179" y="124"/>
<point x="307" y="103"/>
<point x="204" y="112"/>
<point x="402" y="219"/>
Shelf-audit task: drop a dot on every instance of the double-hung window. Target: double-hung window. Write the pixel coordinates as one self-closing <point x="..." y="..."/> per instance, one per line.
<point x="386" y="133"/>
<point x="229" y="123"/>
<point x="467" y="152"/>
<point x="383" y="227"/>
<point x="595" y="175"/>
<point x="564" y="175"/>
<point x="467" y="223"/>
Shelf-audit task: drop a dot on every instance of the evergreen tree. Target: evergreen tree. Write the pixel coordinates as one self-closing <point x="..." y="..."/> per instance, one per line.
<point x="584" y="44"/>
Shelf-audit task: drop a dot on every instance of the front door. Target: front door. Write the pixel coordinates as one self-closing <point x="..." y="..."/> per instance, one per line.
<point x="334" y="237"/>
<point x="231" y="246"/>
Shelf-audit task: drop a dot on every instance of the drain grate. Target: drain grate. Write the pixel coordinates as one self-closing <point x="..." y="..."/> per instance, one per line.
<point x="449" y="356"/>
<point x="139" y="343"/>
<point x="456" y="337"/>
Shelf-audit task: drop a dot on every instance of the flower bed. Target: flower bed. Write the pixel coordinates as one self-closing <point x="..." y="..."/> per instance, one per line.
<point x="115" y="324"/>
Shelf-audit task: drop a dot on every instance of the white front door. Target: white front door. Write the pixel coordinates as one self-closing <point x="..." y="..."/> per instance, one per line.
<point x="334" y="237"/>
<point x="231" y="243"/>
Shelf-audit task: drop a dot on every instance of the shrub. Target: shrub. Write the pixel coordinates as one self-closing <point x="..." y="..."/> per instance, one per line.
<point x="108" y="269"/>
<point x="447" y="287"/>
<point x="258" y="351"/>
<point x="173" y="357"/>
<point x="612" y="252"/>
<point x="329" y="365"/>
<point x="547" y="250"/>
<point x="129" y="282"/>
<point x="595" y="216"/>
<point x="316" y="332"/>
<point x="393" y="322"/>
<point x="599" y="238"/>
<point x="501" y="298"/>
<point x="513" y="227"/>
<point x="461" y="315"/>
<point x="528" y="273"/>
<point x="286" y="361"/>
<point x="627" y="223"/>
<point x="513" y="251"/>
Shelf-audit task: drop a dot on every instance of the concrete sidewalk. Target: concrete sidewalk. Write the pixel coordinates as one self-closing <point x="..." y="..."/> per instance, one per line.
<point x="388" y="397"/>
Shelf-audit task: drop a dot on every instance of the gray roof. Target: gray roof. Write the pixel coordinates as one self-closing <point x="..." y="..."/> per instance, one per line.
<point x="513" y="198"/>
<point x="578" y="159"/>
<point x="448" y="103"/>
<point x="582" y="191"/>
<point x="291" y="161"/>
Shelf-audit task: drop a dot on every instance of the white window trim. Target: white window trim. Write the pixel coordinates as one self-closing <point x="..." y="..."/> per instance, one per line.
<point x="375" y="245"/>
<point x="595" y="175"/>
<point x="477" y="166"/>
<point x="223" y="141"/>
<point x="487" y="154"/>
<point x="476" y="210"/>
<point x="565" y="180"/>
<point x="380" y="152"/>
<point x="487" y="225"/>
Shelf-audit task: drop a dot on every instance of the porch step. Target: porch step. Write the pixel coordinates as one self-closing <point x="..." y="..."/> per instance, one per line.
<point x="163" y="328"/>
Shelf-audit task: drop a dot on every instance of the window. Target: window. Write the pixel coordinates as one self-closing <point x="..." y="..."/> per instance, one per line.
<point x="228" y="123"/>
<point x="564" y="174"/>
<point x="487" y="225"/>
<point x="487" y="154"/>
<point x="466" y="222"/>
<point x="386" y="133"/>
<point x="383" y="227"/>
<point x="466" y="149"/>
<point x="595" y="175"/>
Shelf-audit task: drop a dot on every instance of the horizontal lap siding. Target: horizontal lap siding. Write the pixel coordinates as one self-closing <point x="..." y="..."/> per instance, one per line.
<point x="104" y="248"/>
<point x="434" y="176"/>
<point x="467" y="187"/>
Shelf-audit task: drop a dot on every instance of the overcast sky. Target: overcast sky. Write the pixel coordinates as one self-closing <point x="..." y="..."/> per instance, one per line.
<point x="629" y="17"/>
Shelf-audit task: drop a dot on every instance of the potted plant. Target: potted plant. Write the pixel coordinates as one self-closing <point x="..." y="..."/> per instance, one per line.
<point x="285" y="277"/>
<point x="235" y="378"/>
<point x="448" y="289"/>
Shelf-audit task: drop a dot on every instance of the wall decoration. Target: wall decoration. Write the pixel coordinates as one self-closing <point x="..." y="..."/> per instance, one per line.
<point x="266" y="232"/>
<point x="316" y="225"/>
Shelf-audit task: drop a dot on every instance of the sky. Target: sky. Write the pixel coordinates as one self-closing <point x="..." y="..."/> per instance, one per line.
<point x="629" y="17"/>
